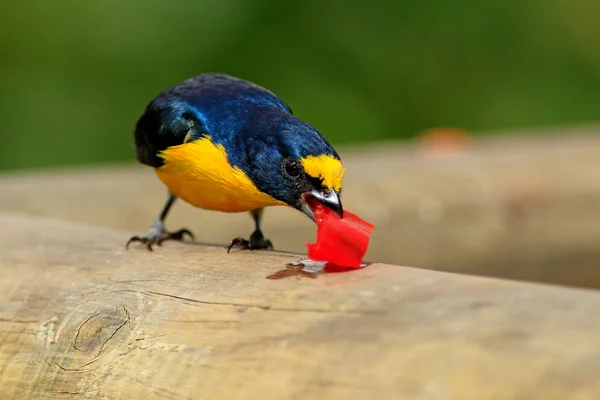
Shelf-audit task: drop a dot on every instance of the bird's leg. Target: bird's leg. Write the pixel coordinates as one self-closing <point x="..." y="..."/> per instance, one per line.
<point x="158" y="233"/>
<point x="257" y="239"/>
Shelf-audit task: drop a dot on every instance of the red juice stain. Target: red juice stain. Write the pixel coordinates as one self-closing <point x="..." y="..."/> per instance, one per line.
<point x="290" y="271"/>
<point x="312" y="269"/>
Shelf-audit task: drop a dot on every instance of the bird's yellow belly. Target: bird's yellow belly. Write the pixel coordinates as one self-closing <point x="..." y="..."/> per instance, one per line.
<point x="199" y="173"/>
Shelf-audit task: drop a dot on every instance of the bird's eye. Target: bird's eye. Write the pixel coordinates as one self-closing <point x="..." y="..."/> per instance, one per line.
<point x="291" y="167"/>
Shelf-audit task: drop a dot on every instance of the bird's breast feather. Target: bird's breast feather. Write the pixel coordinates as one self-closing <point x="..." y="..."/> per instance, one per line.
<point x="199" y="172"/>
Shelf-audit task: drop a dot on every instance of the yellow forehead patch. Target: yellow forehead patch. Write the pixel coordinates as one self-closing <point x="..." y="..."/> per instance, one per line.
<point x="325" y="167"/>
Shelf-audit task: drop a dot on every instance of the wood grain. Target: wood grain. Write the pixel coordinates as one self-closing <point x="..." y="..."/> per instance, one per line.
<point x="82" y="318"/>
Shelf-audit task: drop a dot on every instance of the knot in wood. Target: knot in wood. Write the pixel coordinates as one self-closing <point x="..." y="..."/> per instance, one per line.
<point x="100" y="330"/>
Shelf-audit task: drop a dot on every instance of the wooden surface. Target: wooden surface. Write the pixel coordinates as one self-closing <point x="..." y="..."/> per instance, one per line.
<point x="524" y="207"/>
<point x="81" y="318"/>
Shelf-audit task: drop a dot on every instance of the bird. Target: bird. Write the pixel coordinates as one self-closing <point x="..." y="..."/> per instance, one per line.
<point x="226" y="144"/>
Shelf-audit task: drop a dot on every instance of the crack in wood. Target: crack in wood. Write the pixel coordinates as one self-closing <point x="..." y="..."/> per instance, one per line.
<point x="205" y="301"/>
<point x="258" y="306"/>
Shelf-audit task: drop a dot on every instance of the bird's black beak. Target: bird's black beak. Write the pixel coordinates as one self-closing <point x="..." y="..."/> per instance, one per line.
<point x="329" y="199"/>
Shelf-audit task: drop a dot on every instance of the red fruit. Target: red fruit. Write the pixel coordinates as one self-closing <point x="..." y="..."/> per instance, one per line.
<point x="341" y="241"/>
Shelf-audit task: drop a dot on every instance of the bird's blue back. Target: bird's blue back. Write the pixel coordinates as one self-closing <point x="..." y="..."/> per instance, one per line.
<point x="246" y="119"/>
<point x="222" y="102"/>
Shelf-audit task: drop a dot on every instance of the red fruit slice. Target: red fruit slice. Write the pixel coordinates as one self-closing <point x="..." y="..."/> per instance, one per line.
<point x="341" y="241"/>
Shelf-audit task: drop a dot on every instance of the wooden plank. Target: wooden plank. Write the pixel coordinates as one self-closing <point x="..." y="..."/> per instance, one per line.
<point x="80" y="317"/>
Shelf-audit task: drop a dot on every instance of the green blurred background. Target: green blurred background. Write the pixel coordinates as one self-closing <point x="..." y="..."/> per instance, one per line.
<point x="75" y="75"/>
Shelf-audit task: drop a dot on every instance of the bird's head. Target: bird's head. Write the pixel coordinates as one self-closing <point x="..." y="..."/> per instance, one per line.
<point x="315" y="178"/>
<point x="295" y="164"/>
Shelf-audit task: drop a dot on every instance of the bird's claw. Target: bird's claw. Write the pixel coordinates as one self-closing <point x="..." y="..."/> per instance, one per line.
<point x="160" y="237"/>
<point x="245" y="244"/>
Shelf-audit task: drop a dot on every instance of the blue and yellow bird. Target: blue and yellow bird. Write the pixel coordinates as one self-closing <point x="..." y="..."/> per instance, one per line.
<point x="225" y="144"/>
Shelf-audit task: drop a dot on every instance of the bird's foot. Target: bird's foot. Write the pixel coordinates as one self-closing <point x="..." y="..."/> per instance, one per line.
<point x="158" y="234"/>
<point x="257" y="242"/>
